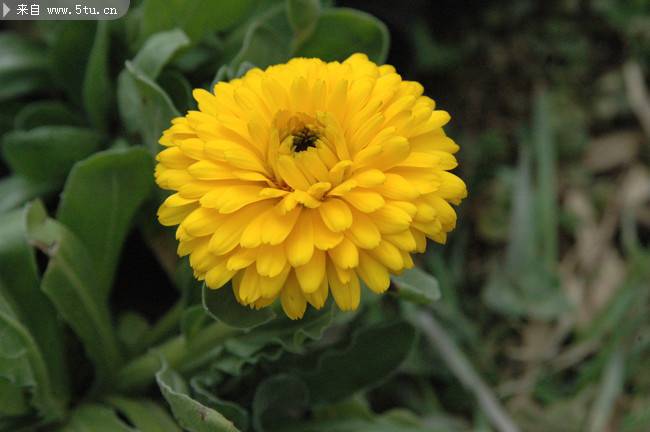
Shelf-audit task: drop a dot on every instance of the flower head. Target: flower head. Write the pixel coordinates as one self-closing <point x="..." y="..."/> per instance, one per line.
<point x="302" y="179"/>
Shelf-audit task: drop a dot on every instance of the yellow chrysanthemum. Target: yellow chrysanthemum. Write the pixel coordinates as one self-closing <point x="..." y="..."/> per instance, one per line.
<point x="298" y="180"/>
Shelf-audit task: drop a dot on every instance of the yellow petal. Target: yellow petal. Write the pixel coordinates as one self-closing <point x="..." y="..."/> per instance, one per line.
<point x="346" y="295"/>
<point x="363" y="232"/>
<point x="397" y="188"/>
<point x="324" y="238"/>
<point x="373" y="273"/>
<point x="318" y="298"/>
<point x="218" y="275"/>
<point x="311" y="274"/>
<point x="345" y="255"/>
<point x="364" y="200"/>
<point x="202" y="221"/>
<point x="271" y="260"/>
<point x="169" y="216"/>
<point x="336" y="214"/>
<point x="241" y="258"/>
<point x="391" y="219"/>
<point x="277" y="226"/>
<point x="388" y="255"/>
<point x="300" y="243"/>
<point x="292" y="299"/>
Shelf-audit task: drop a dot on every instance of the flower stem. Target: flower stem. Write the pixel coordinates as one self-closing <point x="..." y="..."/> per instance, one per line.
<point x="177" y="352"/>
<point x="166" y="325"/>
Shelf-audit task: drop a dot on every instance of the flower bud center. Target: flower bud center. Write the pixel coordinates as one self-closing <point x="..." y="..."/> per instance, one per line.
<point x="303" y="139"/>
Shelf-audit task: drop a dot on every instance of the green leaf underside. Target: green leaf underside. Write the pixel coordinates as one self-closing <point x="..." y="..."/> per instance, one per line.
<point x="190" y="414"/>
<point x="417" y="286"/>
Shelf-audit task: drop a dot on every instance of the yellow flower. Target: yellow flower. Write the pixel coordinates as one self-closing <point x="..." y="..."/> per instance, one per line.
<point x="296" y="181"/>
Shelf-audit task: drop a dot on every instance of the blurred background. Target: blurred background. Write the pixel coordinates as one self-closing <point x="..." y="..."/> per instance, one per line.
<point x="544" y="319"/>
<point x="546" y="279"/>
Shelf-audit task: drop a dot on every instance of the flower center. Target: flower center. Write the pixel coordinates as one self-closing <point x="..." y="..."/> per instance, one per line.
<point x="304" y="139"/>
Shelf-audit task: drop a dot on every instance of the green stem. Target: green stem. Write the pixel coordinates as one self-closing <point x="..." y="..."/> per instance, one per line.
<point x="165" y="325"/>
<point x="177" y="352"/>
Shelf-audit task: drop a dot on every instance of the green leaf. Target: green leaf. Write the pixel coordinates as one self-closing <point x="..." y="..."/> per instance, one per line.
<point x="291" y="335"/>
<point x="279" y="399"/>
<point x="189" y="413"/>
<point x="97" y="94"/>
<point x="417" y="286"/>
<point x="145" y="415"/>
<point x="131" y="329"/>
<point x="48" y="152"/>
<point x="157" y="51"/>
<point x="73" y="41"/>
<point x="23" y="66"/>
<point x="380" y="349"/>
<point x="71" y="284"/>
<point x="197" y="18"/>
<point x="232" y="411"/>
<point x="157" y="108"/>
<point x="123" y="179"/>
<point x="341" y="32"/>
<point x="223" y="306"/>
<point x="545" y="156"/>
<point x="303" y="16"/>
<point x="13" y="401"/>
<point x="193" y="320"/>
<point x="95" y="418"/>
<point x="16" y="190"/>
<point x="46" y="113"/>
<point x="21" y="285"/>
<point x="267" y="41"/>
<point x="22" y="363"/>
